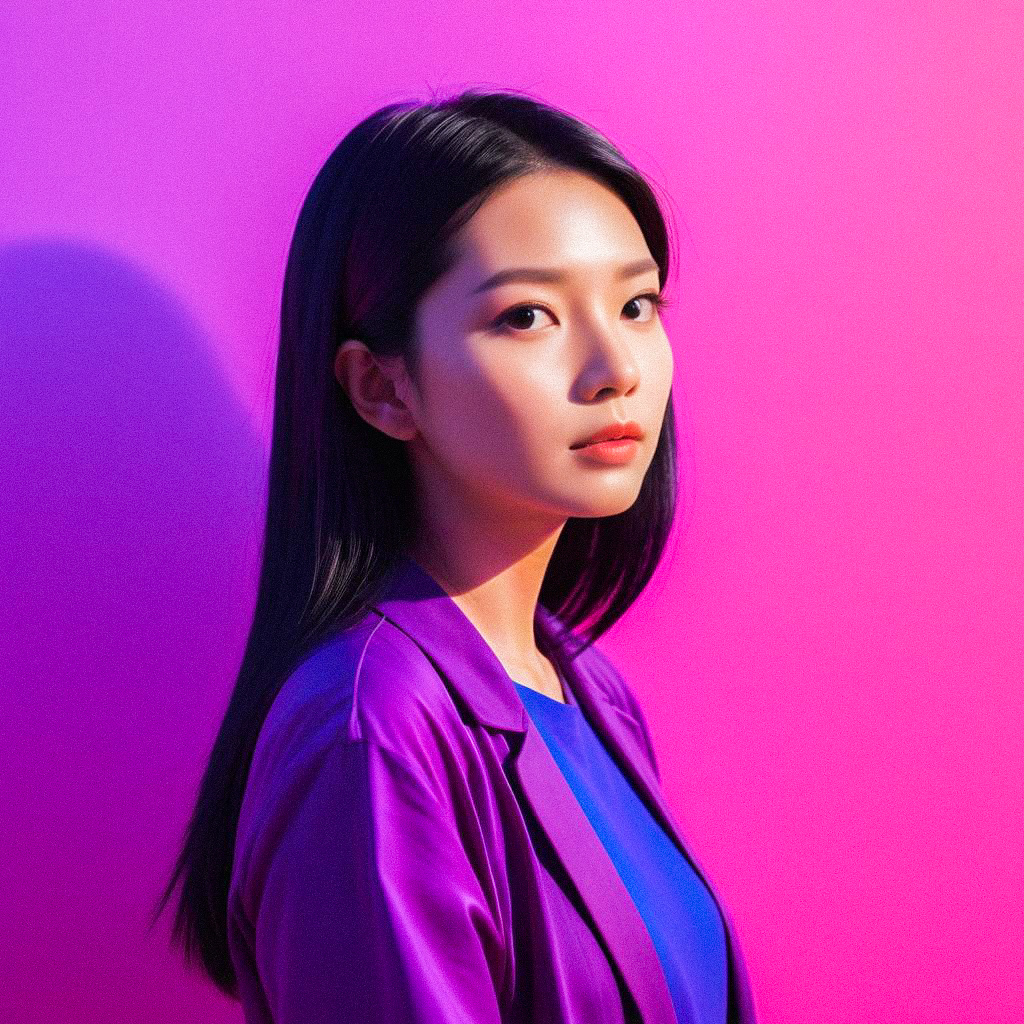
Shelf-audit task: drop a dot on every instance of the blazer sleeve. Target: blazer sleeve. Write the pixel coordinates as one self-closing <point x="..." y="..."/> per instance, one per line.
<point x="370" y="909"/>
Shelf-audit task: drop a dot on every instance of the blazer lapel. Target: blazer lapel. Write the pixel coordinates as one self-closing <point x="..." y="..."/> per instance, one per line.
<point x="595" y="876"/>
<point x="627" y="754"/>
<point x="605" y="721"/>
<point x="418" y="605"/>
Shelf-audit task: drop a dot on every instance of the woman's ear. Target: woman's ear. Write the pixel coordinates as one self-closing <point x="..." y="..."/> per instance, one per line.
<point x="377" y="387"/>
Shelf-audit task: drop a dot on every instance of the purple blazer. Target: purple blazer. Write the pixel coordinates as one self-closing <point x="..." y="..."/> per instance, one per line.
<point x="409" y="851"/>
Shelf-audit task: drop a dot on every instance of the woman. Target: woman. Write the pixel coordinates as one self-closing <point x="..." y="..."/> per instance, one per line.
<point x="432" y="797"/>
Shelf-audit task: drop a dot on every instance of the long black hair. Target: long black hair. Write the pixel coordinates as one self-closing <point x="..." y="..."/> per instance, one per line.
<point x="374" y="232"/>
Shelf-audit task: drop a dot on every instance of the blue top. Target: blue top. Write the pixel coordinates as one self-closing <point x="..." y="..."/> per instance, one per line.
<point x="680" y="913"/>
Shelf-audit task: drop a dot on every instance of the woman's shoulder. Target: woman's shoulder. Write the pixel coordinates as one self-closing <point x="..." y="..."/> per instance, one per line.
<point x="370" y="682"/>
<point x="607" y="681"/>
<point x="612" y="686"/>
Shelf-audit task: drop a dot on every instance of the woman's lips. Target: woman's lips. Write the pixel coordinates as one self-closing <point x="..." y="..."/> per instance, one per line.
<point x="612" y="453"/>
<point x="613" y="432"/>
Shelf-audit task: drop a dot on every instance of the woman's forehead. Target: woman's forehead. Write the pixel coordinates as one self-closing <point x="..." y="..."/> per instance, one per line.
<point x="549" y="220"/>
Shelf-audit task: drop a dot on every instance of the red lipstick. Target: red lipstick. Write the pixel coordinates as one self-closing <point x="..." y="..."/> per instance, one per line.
<point x="613" y="432"/>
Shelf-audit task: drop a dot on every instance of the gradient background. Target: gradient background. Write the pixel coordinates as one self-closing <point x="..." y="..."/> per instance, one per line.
<point x="831" y="658"/>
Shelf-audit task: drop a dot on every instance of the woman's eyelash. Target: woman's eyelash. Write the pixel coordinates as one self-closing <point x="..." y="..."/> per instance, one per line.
<point x="658" y="299"/>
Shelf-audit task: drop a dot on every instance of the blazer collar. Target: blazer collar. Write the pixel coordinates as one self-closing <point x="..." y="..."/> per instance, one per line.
<point x="415" y="602"/>
<point x="421" y="608"/>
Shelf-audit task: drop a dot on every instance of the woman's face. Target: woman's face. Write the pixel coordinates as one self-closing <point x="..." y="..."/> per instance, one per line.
<point x="511" y="376"/>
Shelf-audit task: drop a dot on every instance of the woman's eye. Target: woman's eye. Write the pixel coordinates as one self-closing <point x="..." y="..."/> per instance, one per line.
<point x="517" y="316"/>
<point x="522" y="316"/>
<point x="656" y="299"/>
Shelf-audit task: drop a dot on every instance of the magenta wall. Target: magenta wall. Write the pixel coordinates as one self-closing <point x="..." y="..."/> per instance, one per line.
<point x="832" y="659"/>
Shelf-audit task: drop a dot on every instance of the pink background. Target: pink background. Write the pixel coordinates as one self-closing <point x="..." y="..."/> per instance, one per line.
<point x="832" y="658"/>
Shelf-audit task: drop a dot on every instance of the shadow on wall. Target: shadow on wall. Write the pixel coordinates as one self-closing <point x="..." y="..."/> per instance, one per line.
<point x="131" y="505"/>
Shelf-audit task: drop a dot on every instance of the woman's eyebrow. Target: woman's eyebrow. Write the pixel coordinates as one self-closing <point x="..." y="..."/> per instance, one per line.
<point x="541" y="275"/>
